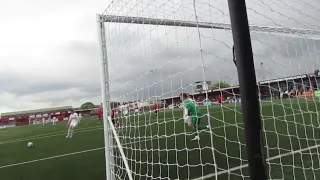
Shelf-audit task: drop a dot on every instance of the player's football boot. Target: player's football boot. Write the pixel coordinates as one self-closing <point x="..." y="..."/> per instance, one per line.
<point x="196" y="138"/>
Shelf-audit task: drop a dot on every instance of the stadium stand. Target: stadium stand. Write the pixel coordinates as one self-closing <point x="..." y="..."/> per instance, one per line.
<point x="20" y="118"/>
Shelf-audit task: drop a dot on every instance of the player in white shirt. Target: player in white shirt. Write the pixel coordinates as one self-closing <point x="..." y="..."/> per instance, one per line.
<point x="80" y="117"/>
<point x="43" y="121"/>
<point x="72" y="123"/>
<point x="54" y="120"/>
<point x="125" y="112"/>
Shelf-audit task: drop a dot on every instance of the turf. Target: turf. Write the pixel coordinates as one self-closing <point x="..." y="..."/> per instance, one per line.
<point x="50" y="141"/>
<point x="159" y="146"/>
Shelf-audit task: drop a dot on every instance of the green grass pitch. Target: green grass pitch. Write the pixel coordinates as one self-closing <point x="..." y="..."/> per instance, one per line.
<point x="160" y="146"/>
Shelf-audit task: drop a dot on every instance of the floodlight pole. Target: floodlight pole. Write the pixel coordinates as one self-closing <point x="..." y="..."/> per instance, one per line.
<point x="105" y="92"/>
<point x="248" y="88"/>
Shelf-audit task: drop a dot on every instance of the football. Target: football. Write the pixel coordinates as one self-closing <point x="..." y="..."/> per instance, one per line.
<point x="30" y="144"/>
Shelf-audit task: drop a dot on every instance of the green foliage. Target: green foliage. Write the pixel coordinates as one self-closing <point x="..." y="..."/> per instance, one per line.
<point x="87" y="105"/>
<point x="219" y="85"/>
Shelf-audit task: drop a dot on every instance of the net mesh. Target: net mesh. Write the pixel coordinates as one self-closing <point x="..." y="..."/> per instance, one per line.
<point x="188" y="49"/>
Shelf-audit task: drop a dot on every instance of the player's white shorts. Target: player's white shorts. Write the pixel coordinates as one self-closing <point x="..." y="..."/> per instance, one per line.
<point x="74" y="123"/>
<point x="125" y="113"/>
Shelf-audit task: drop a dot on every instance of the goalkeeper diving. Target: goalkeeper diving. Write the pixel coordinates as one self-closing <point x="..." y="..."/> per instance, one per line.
<point x="192" y="115"/>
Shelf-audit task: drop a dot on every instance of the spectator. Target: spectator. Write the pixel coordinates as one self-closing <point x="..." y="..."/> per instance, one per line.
<point x="220" y="99"/>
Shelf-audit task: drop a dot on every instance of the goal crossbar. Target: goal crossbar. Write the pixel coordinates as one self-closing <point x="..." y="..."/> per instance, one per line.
<point x="211" y="25"/>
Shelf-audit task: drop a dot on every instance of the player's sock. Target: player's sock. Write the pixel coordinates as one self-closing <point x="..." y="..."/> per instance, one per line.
<point x="117" y="124"/>
<point x="196" y="138"/>
<point x="71" y="131"/>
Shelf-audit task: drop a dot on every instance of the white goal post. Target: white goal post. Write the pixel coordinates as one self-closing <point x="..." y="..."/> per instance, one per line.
<point x="154" y="50"/>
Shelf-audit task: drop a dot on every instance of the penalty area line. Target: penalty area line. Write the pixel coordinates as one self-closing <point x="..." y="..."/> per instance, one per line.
<point x="246" y="165"/>
<point x="52" y="157"/>
<point x="45" y="136"/>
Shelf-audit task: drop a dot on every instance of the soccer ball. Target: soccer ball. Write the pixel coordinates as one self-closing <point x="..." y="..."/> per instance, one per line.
<point x="30" y="144"/>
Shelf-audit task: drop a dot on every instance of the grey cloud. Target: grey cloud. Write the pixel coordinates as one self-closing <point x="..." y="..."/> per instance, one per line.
<point x="89" y="93"/>
<point x="82" y="49"/>
<point x="284" y="13"/>
<point x="20" y="87"/>
<point x="174" y="52"/>
<point x="280" y="55"/>
<point x="85" y="68"/>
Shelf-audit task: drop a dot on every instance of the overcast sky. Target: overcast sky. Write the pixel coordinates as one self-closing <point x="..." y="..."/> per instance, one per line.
<point x="49" y="52"/>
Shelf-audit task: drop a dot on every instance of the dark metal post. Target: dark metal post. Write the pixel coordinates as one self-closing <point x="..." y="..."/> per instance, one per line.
<point x="248" y="88"/>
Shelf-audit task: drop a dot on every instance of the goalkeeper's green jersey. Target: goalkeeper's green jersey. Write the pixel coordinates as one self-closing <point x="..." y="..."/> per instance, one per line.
<point x="192" y="107"/>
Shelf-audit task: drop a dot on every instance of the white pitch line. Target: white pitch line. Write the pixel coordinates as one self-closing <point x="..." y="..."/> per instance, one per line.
<point x="57" y="132"/>
<point x="246" y="165"/>
<point x="45" y="136"/>
<point x="52" y="157"/>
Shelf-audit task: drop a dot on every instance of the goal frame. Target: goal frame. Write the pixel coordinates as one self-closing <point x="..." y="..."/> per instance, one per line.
<point x="108" y="127"/>
<point x="206" y="25"/>
<point x="104" y="77"/>
<point x="242" y="42"/>
<point x="248" y="80"/>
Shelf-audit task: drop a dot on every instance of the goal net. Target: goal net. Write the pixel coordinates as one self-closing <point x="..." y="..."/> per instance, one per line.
<point x="157" y="49"/>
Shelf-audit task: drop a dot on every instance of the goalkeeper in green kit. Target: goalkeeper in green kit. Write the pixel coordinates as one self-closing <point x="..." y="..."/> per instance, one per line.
<point x="192" y="115"/>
